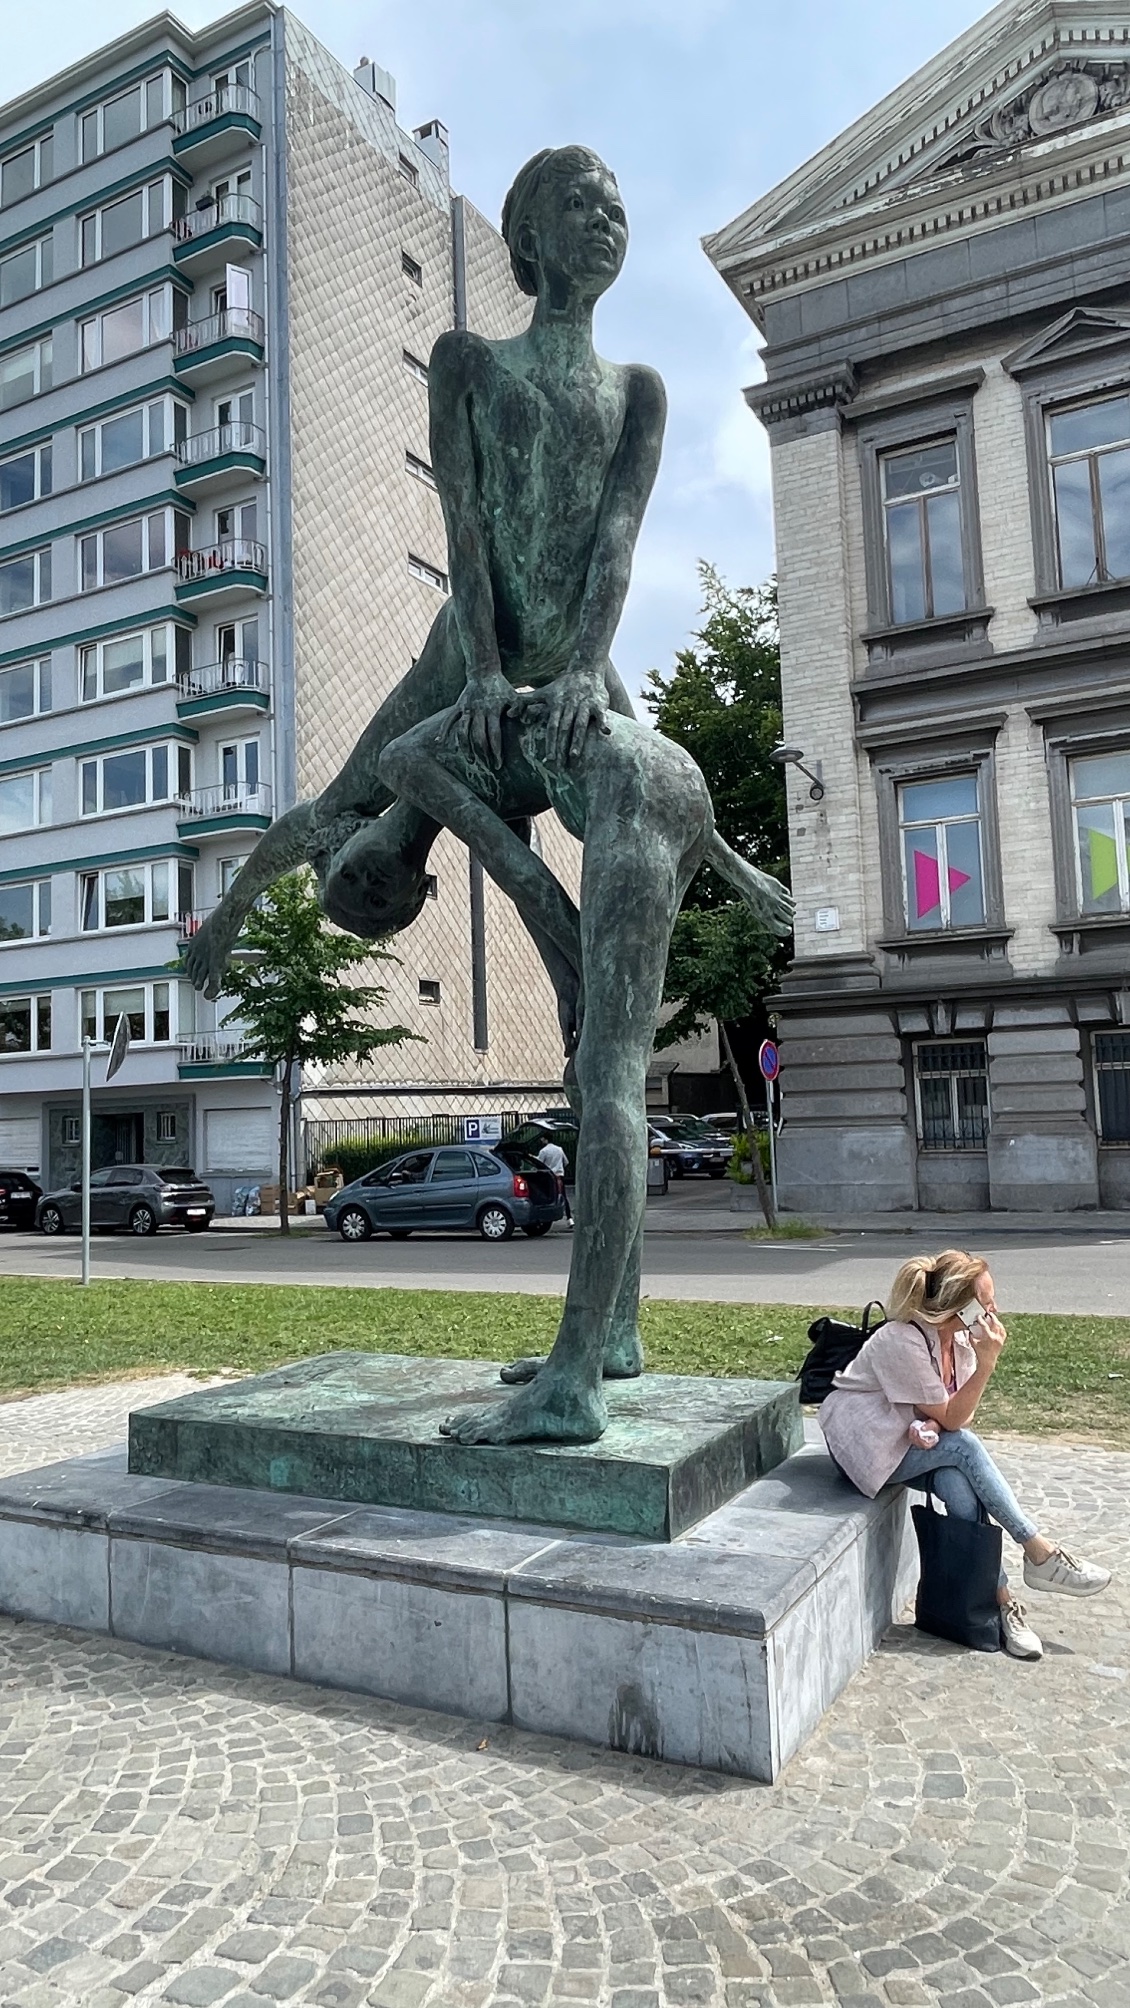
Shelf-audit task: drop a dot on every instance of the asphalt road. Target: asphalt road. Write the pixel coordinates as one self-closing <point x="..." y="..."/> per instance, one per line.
<point x="1045" y="1273"/>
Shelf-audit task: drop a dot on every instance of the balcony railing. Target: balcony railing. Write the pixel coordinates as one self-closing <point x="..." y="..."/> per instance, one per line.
<point x="190" y="924"/>
<point x="221" y="209"/>
<point x="212" y="1049"/>
<point x="233" y="554"/>
<point x="235" y="323"/>
<point x="229" y="798"/>
<point x="235" y="672"/>
<point x="238" y="436"/>
<point x="218" y="104"/>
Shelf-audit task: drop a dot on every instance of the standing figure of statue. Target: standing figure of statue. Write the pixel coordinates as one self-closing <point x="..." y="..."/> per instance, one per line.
<point x="544" y="457"/>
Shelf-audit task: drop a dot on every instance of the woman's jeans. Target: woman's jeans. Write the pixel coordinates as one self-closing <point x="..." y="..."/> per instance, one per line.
<point x="964" y="1477"/>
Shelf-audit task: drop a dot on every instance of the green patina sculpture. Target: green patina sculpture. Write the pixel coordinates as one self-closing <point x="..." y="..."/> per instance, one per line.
<point x="544" y="457"/>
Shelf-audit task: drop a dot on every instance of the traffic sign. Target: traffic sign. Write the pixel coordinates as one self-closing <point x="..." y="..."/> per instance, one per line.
<point x="482" y="1129"/>
<point x="769" y="1060"/>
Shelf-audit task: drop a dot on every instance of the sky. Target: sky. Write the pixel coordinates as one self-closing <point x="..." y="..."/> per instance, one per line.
<point x="699" y="107"/>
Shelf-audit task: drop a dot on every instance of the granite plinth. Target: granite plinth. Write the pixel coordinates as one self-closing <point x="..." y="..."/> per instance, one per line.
<point x="365" y="1428"/>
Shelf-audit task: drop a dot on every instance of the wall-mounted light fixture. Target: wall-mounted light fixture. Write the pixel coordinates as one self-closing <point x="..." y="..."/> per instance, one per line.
<point x="793" y="756"/>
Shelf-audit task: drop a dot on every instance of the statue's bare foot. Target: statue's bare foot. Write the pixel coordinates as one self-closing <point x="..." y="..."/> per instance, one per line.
<point x="550" y="1409"/>
<point x="623" y="1360"/>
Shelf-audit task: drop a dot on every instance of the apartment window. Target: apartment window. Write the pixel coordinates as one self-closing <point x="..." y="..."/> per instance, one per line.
<point x="124" y="117"/>
<point x="25" y="800"/>
<point x="118" y="226"/>
<point x="25" y="477"/>
<point x="922" y="531"/>
<point x="144" y="544"/>
<point x="430" y="574"/>
<point x="952" y="1089"/>
<point x="239" y="521"/>
<point x="409" y="170"/>
<point x="1112" y="1085"/>
<point x="26" y="271"/>
<point x="72" y="1129"/>
<point x="429" y="990"/>
<point x="940" y="826"/>
<point x="23" y="172"/>
<point x="1100" y="795"/>
<point x="134" y="895"/>
<point x="128" y="662"/>
<point x="131" y="436"/>
<point x="414" y="366"/>
<point x="25" y="910"/>
<point x="419" y="468"/>
<point x="25" y="581"/>
<point x="1089" y="455"/>
<point x="230" y="869"/>
<point x="25" y="1024"/>
<point x="130" y="779"/>
<point x="25" y="373"/>
<point x="166" y="1126"/>
<point x="25" y="689"/>
<point x="237" y="642"/>
<point x="136" y="324"/>
<point x="146" y="1007"/>
<point x="411" y="268"/>
<point x="239" y="769"/>
<point x="431" y="885"/>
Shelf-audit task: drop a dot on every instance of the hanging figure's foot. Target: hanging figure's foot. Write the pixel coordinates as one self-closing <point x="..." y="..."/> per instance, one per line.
<point x="551" y="1409"/>
<point x="623" y="1360"/>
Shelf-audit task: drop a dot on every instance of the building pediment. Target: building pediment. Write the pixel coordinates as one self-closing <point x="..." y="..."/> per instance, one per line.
<point x="1079" y="333"/>
<point x="1035" y="78"/>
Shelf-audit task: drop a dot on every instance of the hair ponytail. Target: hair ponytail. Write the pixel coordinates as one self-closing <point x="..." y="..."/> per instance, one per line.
<point x="933" y="1288"/>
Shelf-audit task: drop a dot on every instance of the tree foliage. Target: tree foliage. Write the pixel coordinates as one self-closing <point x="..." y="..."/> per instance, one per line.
<point x="291" y="1000"/>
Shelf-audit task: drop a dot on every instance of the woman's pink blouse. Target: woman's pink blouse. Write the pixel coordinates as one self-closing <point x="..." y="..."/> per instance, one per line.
<point x="866" y="1417"/>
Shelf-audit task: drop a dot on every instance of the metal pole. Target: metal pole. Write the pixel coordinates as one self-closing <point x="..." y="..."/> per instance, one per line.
<point x="771" y="1101"/>
<point x="86" y="1160"/>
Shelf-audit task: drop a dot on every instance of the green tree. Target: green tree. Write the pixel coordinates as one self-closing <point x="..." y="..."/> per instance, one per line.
<point x="722" y="702"/>
<point x="289" y="997"/>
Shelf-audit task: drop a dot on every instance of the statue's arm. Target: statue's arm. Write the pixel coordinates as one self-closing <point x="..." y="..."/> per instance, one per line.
<point x="280" y="849"/>
<point x="457" y="366"/>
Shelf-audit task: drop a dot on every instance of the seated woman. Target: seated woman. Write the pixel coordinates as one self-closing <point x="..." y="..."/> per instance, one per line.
<point x="900" y="1414"/>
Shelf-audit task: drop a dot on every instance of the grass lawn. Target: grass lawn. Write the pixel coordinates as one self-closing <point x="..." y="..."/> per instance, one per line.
<point x="1058" y="1375"/>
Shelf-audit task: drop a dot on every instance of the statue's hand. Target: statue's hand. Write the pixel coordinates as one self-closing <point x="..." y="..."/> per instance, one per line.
<point x="777" y="905"/>
<point x="208" y="953"/>
<point x="566" y="708"/>
<point x="476" y="723"/>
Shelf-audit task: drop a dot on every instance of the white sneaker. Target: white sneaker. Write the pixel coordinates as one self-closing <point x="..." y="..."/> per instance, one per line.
<point x="1017" y="1636"/>
<point x="1067" y="1576"/>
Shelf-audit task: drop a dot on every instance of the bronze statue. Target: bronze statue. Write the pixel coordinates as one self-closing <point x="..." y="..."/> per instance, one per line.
<point x="544" y="456"/>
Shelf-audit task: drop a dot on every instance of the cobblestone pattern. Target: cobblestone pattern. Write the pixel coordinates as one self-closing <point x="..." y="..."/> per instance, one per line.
<point x="958" y="1831"/>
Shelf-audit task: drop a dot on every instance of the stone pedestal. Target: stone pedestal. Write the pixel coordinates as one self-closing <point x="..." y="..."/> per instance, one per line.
<point x="365" y="1427"/>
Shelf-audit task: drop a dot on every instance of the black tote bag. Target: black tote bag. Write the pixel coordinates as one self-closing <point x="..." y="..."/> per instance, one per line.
<point x="960" y="1575"/>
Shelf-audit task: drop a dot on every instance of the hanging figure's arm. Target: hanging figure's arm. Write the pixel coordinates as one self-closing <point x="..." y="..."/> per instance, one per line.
<point x="280" y="849"/>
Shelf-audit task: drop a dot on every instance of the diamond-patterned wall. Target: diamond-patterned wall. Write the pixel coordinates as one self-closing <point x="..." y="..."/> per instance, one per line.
<point x="359" y="616"/>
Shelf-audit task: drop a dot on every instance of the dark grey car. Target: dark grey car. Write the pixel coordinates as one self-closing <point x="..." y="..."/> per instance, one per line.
<point x="140" y="1197"/>
<point x="449" y="1189"/>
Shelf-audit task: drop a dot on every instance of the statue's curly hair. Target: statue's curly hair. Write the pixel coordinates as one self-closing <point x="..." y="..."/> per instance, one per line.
<point x="553" y="163"/>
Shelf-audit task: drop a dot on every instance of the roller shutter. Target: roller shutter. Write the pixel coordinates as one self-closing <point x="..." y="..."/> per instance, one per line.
<point x="240" y="1140"/>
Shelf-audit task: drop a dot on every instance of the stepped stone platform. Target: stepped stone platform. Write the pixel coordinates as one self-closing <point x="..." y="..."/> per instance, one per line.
<point x="720" y="1646"/>
<point x="366" y="1427"/>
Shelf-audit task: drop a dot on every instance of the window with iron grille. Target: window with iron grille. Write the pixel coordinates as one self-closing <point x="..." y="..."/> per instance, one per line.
<point x="1112" y="1083"/>
<point x="951" y="1080"/>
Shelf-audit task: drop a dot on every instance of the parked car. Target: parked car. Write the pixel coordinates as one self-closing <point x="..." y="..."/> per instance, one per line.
<point x="19" y="1195"/>
<point x="141" y="1197"/>
<point x="689" y="1145"/>
<point x="449" y="1189"/>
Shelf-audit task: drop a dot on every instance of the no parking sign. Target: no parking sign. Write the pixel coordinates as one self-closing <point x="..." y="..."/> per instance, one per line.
<point x="769" y="1060"/>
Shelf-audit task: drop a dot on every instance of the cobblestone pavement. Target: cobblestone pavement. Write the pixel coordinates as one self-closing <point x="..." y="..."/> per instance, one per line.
<point x="957" y="1832"/>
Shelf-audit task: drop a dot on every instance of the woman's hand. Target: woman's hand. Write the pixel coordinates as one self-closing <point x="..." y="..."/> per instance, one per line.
<point x="987" y="1336"/>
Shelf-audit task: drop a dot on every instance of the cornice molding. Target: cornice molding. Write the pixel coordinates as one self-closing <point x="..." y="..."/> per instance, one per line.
<point x="775" y="403"/>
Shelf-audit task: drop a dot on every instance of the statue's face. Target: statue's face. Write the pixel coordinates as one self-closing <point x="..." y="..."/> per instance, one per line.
<point x="580" y="230"/>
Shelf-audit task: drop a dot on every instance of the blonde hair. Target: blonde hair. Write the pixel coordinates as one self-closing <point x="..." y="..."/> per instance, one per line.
<point x="934" y="1287"/>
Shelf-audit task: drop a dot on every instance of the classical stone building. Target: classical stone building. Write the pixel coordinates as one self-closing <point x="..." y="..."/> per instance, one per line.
<point x="944" y="293"/>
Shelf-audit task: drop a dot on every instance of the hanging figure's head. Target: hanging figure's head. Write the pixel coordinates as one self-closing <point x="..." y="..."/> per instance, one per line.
<point x="565" y="226"/>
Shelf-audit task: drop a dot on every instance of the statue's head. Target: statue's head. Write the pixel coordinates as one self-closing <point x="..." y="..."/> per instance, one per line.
<point x="564" y="223"/>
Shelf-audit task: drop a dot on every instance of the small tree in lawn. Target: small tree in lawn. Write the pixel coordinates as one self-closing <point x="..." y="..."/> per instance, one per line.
<point x="291" y="1001"/>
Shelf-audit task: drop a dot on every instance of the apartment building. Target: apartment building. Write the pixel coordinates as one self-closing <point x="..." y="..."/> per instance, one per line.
<point x="944" y="293"/>
<point x="223" y="265"/>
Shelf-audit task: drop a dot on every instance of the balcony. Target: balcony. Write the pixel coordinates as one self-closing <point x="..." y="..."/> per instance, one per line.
<point x="190" y="924"/>
<point x="227" y="806"/>
<point x="224" y="571"/>
<point x="221" y="458"/>
<point x="218" y="1053"/>
<point x="224" y="227"/>
<point x="209" y="126"/>
<point x="234" y="685"/>
<point x="220" y="346"/>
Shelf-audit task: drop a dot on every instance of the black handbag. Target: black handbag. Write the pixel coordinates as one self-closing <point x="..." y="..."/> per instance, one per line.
<point x="960" y="1575"/>
<point x="834" y="1345"/>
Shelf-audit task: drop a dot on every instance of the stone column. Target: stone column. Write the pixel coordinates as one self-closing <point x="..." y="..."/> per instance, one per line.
<point x="1043" y="1155"/>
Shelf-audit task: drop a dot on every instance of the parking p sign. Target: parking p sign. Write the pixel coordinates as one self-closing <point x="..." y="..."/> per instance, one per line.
<point x="482" y="1129"/>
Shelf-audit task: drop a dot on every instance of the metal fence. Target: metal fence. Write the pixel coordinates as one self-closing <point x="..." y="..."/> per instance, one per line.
<point x="324" y="1136"/>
